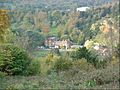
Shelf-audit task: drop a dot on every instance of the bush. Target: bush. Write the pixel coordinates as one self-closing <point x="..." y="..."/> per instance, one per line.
<point x="34" y="68"/>
<point x="117" y="51"/>
<point x="62" y="64"/>
<point x="105" y="76"/>
<point x="49" y="59"/>
<point x="2" y="74"/>
<point x="82" y="64"/>
<point x="91" y="57"/>
<point x="55" y="51"/>
<point x="85" y="53"/>
<point x="80" y="53"/>
<point x="13" y="60"/>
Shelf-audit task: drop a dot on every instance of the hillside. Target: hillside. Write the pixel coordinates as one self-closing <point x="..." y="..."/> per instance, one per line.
<point x="49" y="44"/>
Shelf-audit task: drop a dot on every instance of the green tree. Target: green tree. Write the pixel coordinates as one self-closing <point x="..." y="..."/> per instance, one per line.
<point x="56" y="17"/>
<point x="35" y="39"/>
<point x="81" y="39"/>
<point x="90" y="56"/>
<point x="13" y="60"/>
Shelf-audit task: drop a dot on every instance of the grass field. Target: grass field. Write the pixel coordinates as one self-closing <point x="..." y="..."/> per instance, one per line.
<point x="53" y="31"/>
<point x="41" y="53"/>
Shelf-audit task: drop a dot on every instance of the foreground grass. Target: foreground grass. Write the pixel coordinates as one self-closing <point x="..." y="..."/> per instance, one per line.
<point x="74" y="78"/>
<point x="107" y="78"/>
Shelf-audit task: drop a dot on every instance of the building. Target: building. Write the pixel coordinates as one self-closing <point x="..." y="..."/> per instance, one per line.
<point x="82" y="9"/>
<point x="76" y="46"/>
<point x="96" y="46"/>
<point x="102" y="50"/>
<point x="63" y="44"/>
<point x="50" y="42"/>
<point x="53" y="42"/>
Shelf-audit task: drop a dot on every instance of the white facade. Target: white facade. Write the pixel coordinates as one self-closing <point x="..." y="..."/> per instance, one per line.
<point x="96" y="47"/>
<point x="82" y="9"/>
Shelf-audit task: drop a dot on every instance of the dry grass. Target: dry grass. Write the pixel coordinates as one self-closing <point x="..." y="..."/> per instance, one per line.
<point x="74" y="78"/>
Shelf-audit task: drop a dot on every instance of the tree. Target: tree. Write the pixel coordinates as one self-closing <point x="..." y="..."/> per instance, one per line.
<point x="26" y="24"/>
<point x="60" y="30"/>
<point x="13" y="60"/>
<point x="56" y="16"/>
<point x="21" y="39"/>
<point x="35" y="39"/>
<point x="4" y="25"/>
<point x="83" y="52"/>
<point x="81" y="39"/>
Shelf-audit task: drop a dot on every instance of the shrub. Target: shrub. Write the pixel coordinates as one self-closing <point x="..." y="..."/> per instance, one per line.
<point x="55" y="51"/>
<point x="49" y="59"/>
<point x="2" y="74"/>
<point x="91" y="57"/>
<point x="105" y="76"/>
<point x="82" y="64"/>
<point x="117" y="51"/>
<point x="84" y="53"/>
<point x="62" y="64"/>
<point x="101" y="64"/>
<point x="90" y="83"/>
<point x="34" y="68"/>
<point x="80" y="53"/>
<point x="13" y="60"/>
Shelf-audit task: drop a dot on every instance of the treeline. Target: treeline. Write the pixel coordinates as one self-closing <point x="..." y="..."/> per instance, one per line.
<point x="53" y="4"/>
<point x="75" y="26"/>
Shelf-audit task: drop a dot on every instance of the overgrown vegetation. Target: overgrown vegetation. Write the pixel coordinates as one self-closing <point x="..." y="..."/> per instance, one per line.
<point x="26" y="64"/>
<point x="13" y="61"/>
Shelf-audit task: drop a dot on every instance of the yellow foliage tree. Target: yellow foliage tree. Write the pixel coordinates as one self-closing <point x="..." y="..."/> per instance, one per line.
<point x="4" y="25"/>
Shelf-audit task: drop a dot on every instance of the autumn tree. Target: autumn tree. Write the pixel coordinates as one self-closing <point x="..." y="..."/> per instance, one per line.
<point x="4" y="25"/>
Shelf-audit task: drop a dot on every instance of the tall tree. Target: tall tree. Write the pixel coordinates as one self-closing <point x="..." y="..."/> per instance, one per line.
<point x="4" y="25"/>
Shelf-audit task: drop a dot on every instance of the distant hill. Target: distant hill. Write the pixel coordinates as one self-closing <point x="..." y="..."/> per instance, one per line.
<point x="59" y="4"/>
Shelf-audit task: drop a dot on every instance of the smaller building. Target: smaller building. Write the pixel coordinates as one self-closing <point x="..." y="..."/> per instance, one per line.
<point x="102" y="50"/>
<point x="82" y="9"/>
<point x="76" y="46"/>
<point x="96" y="46"/>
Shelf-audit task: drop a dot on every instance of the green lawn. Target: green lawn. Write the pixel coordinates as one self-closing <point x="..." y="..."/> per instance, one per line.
<point x="41" y="53"/>
<point x="53" y="31"/>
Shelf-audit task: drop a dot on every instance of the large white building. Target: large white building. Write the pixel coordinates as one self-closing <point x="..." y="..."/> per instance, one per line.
<point x="82" y="9"/>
